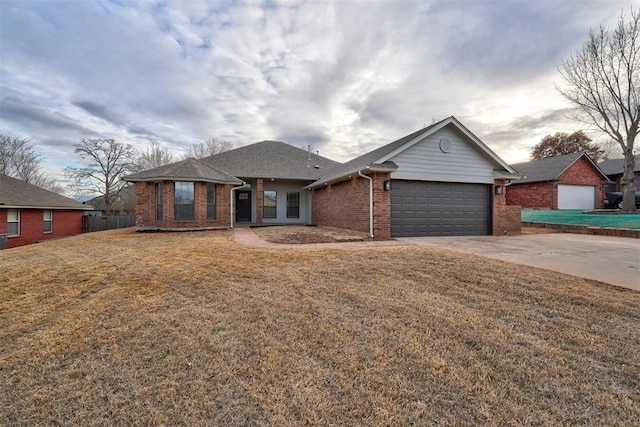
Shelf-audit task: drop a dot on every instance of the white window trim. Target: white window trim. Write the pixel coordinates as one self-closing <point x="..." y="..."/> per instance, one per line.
<point x="9" y="222"/>
<point x="45" y="220"/>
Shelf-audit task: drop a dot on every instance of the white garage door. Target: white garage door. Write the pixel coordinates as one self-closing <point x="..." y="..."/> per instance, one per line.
<point x="576" y="197"/>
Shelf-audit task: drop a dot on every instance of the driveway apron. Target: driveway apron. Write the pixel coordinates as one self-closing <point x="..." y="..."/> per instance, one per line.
<point x="612" y="260"/>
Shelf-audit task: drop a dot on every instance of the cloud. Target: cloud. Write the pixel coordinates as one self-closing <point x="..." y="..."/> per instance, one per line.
<point x="343" y="76"/>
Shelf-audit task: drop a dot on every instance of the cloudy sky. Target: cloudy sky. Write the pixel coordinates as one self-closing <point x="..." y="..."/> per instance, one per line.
<point x="344" y="76"/>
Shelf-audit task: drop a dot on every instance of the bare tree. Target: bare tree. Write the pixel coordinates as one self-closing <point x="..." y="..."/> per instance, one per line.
<point x="563" y="143"/>
<point x="108" y="160"/>
<point x="611" y="149"/>
<point x="153" y="156"/>
<point x="603" y="84"/>
<point x="211" y="146"/>
<point x="18" y="159"/>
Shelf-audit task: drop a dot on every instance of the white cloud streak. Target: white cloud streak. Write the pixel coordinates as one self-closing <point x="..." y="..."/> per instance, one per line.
<point x="343" y="76"/>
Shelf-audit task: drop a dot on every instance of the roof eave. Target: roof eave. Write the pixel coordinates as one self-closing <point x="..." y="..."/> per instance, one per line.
<point x="57" y="208"/>
<point x="366" y="169"/>
<point x="498" y="174"/>
<point x="182" y="179"/>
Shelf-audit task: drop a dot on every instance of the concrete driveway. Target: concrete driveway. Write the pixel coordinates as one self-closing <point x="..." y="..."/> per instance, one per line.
<point x="612" y="260"/>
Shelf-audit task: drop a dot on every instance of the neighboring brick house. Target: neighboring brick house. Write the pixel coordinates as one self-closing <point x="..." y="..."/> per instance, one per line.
<point x="440" y="180"/>
<point x="571" y="181"/>
<point x="29" y="214"/>
<point x="614" y="169"/>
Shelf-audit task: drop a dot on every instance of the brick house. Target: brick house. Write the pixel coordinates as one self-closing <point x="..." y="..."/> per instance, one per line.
<point x="571" y="181"/>
<point x="440" y="180"/>
<point x="614" y="169"/>
<point x="29" y="214"/>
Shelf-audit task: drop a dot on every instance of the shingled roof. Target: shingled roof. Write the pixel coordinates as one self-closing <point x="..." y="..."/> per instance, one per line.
<point x="616" y="166"/>
<point x="271" y="159"/>
<point x="18" y="194"/>
<point x="549" y="168"/>
<point x="185" y="170"/>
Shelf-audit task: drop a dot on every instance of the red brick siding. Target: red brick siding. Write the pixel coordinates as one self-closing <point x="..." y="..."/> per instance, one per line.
<point x="545" y="194"/>
<point x="65" y="223"/>
<point x="534" y="195"/>
<point x="146" y="207"/>
<point x="259" y="200"/>
<point x="506" y="219"/>
<point x="346" y="205"/>
<point x="4" y="227"/>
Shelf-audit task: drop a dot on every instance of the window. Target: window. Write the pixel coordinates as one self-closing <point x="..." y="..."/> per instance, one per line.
<point x="159" y="201"/>
<point x="48" y="221"/>
<point x="211" y="201"/>
<point x="13" y="220"/>
<point x="269" y="204"/>
<point x="293" y="205"/>
<point x="183" y="202"/>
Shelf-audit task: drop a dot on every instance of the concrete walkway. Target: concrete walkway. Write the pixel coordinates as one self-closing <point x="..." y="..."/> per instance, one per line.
<point x="607" y="259"/>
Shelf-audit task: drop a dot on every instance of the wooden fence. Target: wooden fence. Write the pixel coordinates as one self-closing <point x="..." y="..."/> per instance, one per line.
<point x="101" y="223"/>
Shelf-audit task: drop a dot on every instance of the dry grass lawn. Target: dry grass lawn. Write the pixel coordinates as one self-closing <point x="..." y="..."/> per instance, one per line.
<point x="119" y="328"/>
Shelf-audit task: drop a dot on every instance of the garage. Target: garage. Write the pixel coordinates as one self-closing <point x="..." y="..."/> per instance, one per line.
<point x="425" y="208"/>
<point x="576" y="196"/>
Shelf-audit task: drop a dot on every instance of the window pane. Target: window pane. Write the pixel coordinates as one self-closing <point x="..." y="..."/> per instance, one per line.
<point x="211" y="201"/>
<point x="269" y="204"/>
<point x="293" y="205"/>
<point x="184" y="201"/>
<point x="159" y="201"/>
<point x="48" y="221"/>
<point x="13" y="222"/>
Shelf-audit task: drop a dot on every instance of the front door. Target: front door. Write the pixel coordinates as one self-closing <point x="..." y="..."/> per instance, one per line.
<point x="243" y="206"/>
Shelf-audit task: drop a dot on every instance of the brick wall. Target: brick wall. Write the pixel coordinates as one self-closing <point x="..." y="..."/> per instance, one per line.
<point x="259" y="200"/>
<point x="346" y="205"/>
<point x="506" y="218"/>
<point x="545" y="194"/>
<point x="3" y="221"/>
<point x="146" y="207"/>
<point x="65" y="223"/>
<point x="534" y="195"/>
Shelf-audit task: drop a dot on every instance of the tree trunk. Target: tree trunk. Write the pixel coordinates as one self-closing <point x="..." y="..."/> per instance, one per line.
<point x="628" y="186"/>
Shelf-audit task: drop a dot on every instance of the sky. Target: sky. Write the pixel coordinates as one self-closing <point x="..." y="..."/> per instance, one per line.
<point x="344" y="76"/>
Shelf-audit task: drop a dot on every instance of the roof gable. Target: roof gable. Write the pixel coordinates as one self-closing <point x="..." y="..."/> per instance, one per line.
<point x="271" y="159"/>
<point x="185" y="170"/>
<point x="550" y="168"/>
<point x="385" y="154"/>
<point x="18" y="194"/>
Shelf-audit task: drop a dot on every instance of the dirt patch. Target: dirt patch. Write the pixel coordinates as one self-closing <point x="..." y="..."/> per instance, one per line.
<point x="300" y="234"/>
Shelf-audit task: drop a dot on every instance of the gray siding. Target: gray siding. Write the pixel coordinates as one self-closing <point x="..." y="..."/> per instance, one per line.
<point x="281" y="188"/>
<point x="426" y="162"/>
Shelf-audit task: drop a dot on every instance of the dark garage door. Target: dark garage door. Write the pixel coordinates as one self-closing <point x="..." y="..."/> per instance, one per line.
<point x="420" y="208"/>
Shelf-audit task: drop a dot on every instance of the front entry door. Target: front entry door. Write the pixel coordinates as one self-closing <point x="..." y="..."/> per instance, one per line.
<point x="243" y="206"/>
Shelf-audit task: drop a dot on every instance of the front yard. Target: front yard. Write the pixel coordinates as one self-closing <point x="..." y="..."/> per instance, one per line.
<point x="193" y="329"/>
